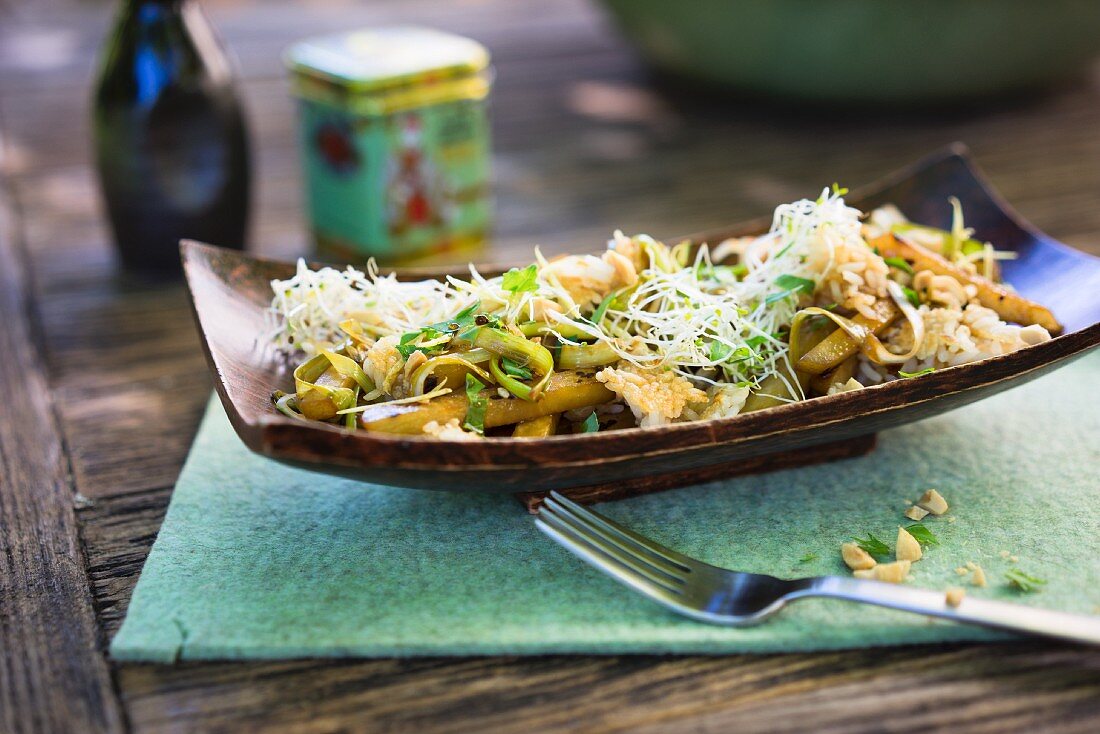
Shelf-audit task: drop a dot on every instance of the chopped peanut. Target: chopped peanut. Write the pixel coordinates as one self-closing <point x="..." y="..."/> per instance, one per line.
<point x="908" y="549"/>
<point x="856" y="558"/>
<point x="916" y="513"/>
<point x="962" y="570"/>
<point x="972" y="566"/>
<point x="893" y="573"/>
<point x="1014" y="559"/>
<point x="978" y="578"/>
<point x="955" y="596"/>
<point x="933" y="501"/>
<point x="1004" y="554"/>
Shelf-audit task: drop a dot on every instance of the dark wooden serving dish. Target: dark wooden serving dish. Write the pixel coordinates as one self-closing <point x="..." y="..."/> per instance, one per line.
<point x="230" y="292"/>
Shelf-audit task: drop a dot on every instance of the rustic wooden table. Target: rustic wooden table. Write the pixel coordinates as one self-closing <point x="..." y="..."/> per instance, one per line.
<point x="103" y="380"/>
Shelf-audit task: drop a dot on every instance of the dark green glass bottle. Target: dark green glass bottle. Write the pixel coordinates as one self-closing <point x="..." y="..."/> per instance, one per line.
<point x="170" y="140"/>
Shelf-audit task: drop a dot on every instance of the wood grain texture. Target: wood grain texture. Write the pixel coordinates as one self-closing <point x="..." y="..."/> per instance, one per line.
<point x="1000" y="688"/>
<point x="583" y="142"/>
<point x="52" y="673"/>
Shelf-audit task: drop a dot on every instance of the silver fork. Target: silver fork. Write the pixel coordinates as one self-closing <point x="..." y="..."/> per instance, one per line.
<point x="720" y="596"/>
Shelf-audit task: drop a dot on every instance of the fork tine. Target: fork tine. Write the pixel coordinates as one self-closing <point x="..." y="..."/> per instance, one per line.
<point x="589" y="528"/>
<point x="586" y="552"/>
<point x="564" y="523"/>
<point x="625" y="535"/>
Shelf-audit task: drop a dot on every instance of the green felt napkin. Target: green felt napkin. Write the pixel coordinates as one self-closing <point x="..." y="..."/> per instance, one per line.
<point x="256" y="560"/>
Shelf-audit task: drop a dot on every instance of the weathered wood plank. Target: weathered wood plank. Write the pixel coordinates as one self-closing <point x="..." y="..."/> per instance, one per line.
<point x="962" y="688"/>
<point x="53" y="677"/>
<point x="118" y="532"/>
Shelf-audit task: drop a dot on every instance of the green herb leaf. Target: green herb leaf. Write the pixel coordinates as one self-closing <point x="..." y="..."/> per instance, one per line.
<point x="427" y="340"/>
<point x="591" y="424"/>
<point x="1023" y="581"/>
<point x="719" y="351"/>
<point x="900" y="264"/>
<point x="872" y="545"/>
<point x="462" y="319"/>
<point x="406" y="350"/>
<point x="515" y="369"/>
<point x="808" y="557"/>
<point x="741" y="354"/>
<point x="430" y="338"/>
<point x="795" y="283"/>
<point x="908" y="375"/>
<point x="922" y="534"/>
<point x="475" y="413"/>
<point x="755" y="341"/>
<point x="911" y="296"/>
<point x="520" y="281"/>
<point x="792" y="285"/>
<point x="405" y="346"/>
<point x="598" y="314"/>
<point x="465" y="316"/>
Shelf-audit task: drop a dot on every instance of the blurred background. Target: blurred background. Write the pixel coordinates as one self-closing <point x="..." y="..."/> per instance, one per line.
<point x="585" y="136"/>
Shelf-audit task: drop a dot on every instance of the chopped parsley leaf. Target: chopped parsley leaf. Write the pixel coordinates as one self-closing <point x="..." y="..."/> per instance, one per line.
<point x="463" y="318"/>
<point x="598" y="314"/>
<point x="922" y="534"/>
<point x="427" y="340"/>
<point x="1022" y="580"/>
<point x="792" y="285"/>
<point x="519" y="371"/>
<point x="591" y="424"/>
<point x="900" y="264"/>
<point x="872" y="545"/>
<point x="523" y="280"/>
<point x="719" y="351"/>
<point x="755" y="341"/>
<point x="925" y="371"/>
<point x="475" y="413"/>
<point x="911" y="296"/>
<point x="795" y="283"/>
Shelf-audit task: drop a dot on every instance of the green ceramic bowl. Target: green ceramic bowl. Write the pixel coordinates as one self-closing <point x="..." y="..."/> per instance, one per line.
<point x="897" y="51"/>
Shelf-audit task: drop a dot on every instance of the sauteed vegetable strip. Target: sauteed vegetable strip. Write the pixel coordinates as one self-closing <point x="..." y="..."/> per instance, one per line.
<point x="539" y="427"/>
<point x="565" y="391"/>
<point x="840" y="345"/>
<point x="1008" y="304"/>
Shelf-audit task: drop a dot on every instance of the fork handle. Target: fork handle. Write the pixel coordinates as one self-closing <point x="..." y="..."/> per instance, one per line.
<point x="1001" y="615"/>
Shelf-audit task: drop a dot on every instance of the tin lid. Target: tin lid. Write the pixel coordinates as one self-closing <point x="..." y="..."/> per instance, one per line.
<point x="376" y="59"/>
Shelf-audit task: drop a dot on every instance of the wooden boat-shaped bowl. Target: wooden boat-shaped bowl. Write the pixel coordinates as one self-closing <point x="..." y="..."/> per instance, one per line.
<point x="230" y="292"/>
